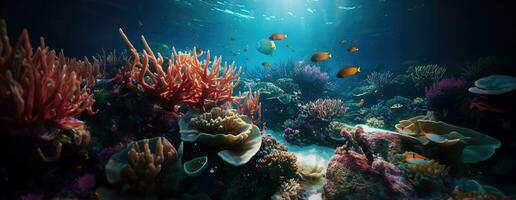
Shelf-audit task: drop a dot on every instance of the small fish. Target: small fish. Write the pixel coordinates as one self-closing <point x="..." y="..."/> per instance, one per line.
<point x="278" y="36"/>
<point x="343" y="41"/>
<point x="266" y="64"/>
<point x="354" y="41"/>
<point x="352" y="49"/>
<point x="348" y="71"/>
<point x="320" y="56"/>
<point x="396" y="106"/>
<point x="232" y="38"/>
<point x="245" y="49"/>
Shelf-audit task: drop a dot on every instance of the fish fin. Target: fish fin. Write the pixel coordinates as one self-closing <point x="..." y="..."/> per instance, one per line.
<point x="329" y="55"/>
<point x="358" y="70"/>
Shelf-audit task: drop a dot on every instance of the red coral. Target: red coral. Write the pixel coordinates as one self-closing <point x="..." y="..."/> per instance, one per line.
<point x="250" y="106"/>
<point x="186" y="79"/>
<point x="42" y="88"/>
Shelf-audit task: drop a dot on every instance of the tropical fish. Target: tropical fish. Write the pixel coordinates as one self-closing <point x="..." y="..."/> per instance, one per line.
<point x="352" y="49"/>
<point x="396" y="106"/>
<point x="232" y="38"/>
<point x="320" y="56"/>
<point x="266" y="64"/>
<point x="266" y="46"/>
<point x="278" y="36"/>
<point x="343" y="41"/>
<point x="412" y="155"/>
<point x="348" y="71"/>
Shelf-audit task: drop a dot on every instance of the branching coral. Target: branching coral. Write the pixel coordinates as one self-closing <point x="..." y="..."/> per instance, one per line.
<point x="379" y="79"/>
<point x="42" y="89"/>
<point x="238" y="138"/>
<point x="279" y="166"/>
<point x="250" y="106"/>
<point x="138" y="166"/>
<point x="186" y="79"/>
<point x="427" y="74"/>
<point x="111" y="63"/>
<point x="325" y="109"/>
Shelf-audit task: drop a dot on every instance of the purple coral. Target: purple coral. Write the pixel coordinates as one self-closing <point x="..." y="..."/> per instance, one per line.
<point x="444" y="91"/>
<point x="84" y="183"/>
<point x="312" y="81"/>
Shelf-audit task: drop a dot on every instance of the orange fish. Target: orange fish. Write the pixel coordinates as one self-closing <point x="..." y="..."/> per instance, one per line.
<point x="265" y="64"/>
<point x="352" y="49"/>
<point x="320" y="56"/>
<point x="278" y="36"/>
<point x="348" y="71"/>
<point x="412" y="155"/>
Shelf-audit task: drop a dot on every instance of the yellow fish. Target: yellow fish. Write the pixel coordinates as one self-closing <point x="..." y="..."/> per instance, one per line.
<point x="352" y="49"/>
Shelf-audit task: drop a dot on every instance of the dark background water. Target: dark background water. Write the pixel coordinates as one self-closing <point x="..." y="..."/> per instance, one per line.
<point x="389" y="32"/>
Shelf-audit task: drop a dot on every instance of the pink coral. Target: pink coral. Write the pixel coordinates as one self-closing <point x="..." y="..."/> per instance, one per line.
<point x="350" y="176"/>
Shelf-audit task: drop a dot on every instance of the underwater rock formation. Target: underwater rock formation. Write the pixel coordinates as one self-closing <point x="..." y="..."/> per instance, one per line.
<point x="186" y="79"/>
<point x="238" y="139"/>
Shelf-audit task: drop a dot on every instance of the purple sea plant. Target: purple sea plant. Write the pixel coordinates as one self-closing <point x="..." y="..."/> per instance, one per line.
<point x="84" y="183"/>
<point x="444" y="91"/>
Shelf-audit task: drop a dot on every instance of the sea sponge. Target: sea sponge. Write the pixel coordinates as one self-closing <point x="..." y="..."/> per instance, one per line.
<point x="278" y="166"/>
<point x="238" y="138"/>
<point x="310" y="170"/>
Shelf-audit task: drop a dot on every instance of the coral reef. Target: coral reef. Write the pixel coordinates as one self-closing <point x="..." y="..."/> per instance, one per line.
<point x="238" y="138"/>
<point x="137" y="167"/>
<point x="312" y="82"/>
<point x="287" y="84"/>
<point x="442" y="93"/>
<point x="43" y="88"/>
<point x="289" y="190"/>
<point x="427" y="74"/>
<point x="325" y="109"/>
<point x="379" y="79"/>
<point x="250" y="106"/>
<point x="351" y="177"/>
<point x="186" y="80"/>
<point x="375" y="122"/>
<point x="278" y="166"/>
<point x="111" y="63"/>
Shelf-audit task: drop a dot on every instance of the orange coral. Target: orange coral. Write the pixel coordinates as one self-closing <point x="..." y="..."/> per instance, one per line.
<point x="250" y="106"/>
<point x="186" y="79"/>
<point x="42" y="88"/>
